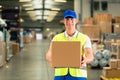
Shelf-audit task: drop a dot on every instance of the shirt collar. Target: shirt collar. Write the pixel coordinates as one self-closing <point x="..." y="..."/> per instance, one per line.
<point x="75" y="34"/>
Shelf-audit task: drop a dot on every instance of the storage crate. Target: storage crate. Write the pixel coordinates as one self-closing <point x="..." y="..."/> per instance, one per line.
<point x="104" y="78"/>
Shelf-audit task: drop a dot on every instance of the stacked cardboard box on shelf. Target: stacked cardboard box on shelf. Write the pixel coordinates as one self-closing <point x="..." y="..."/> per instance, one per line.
<point x="88" y="21"/>
<point x="33" y="35"/>
<point x="102" y="18"/>
<point x="113" y="71"/>
<point x="117" y="19"/>
<point x="15" y="48"/>
<point x="105" y="27"/>
<point x="116" y="28"/>
<point x="93" y="31"/>
<point x="118" y="41"/>
<point x="100" y="24"/>
<point x="104" y="21"/>
<point x="27" y="39"/>
<point x="2" y="53"/>
<point x="116" y="51"/>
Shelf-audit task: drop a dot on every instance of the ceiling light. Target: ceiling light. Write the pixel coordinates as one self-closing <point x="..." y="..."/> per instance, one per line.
<point x="38" y="17"/>
<point x="45" y="17"/>
<point x="37" y="2"/>
<point x="49" y="2"/>
<point x="55" y="9"/>
<point x="32" y="15"/>
<point x="24" y="0"/>
<point x="29" y="9"/>
<point x="21" y="20"/>
<point x="37" y="6"/>
<point x="27" y="5"/>
<point x="53" y="12"/>
<point x="50" y="18"/>
<point x="52" y="15"/>
<point x="47" y="29"/>
<point x="46" y="12"/>
<point x="0" y="6"/>
<point x="38" y="12"/>
<point x="60" y="0"/>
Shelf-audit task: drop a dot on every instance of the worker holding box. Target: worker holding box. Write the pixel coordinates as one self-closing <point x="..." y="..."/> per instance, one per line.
<point x="71" y="34"/>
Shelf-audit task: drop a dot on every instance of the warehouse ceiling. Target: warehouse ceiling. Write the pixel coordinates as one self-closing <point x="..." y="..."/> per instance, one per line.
<point x="39" y="13"/>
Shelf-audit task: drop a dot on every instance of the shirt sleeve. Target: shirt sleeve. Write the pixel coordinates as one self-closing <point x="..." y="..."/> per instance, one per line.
<point x="88" y="43"/>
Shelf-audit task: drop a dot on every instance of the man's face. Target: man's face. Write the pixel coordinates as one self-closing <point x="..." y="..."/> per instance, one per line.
<point x="70" y="22"/>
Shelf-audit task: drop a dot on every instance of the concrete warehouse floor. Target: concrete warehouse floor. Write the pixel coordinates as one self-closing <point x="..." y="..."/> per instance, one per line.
<point x="30" y="64"/>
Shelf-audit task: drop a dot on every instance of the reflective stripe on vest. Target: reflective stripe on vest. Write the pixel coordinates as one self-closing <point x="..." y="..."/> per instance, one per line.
<point x="76" y="72"/>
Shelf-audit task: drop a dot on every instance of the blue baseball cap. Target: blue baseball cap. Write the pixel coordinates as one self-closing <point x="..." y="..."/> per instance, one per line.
<point x="70" y="13"/>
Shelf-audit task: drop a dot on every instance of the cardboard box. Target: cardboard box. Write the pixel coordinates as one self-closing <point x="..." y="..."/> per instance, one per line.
<point x="111" y="73"/>
<point x="93" y="31"/>
<point x="113" y="63"/>
<point x="118" y="63"/>
<point x="66" y="54"/>
<point x="88" y="21"/>
<point x="106" y="71"/>
<point x="118" y="53"/>
<point x="2" y="53"/>
<point x="117" y="19"/>
<point x="27" y="39"/>
<point x="105" y="27"/>
<point x="117" y="49"/>
<point x="15" y="48"/>
<point x="102" y="17"/>
<point x="116" y="28"/>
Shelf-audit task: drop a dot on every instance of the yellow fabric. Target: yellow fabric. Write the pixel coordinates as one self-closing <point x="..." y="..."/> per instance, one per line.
<point x="76" y="72"/>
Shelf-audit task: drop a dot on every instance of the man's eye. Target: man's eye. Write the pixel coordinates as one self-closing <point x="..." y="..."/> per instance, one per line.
<point x="70" y="18"/>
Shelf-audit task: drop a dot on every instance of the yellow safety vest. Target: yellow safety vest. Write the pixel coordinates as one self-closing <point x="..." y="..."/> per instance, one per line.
<point x="76" y="72"/>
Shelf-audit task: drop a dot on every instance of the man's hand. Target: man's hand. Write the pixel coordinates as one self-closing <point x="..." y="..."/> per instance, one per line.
<point x="83" y="62"/>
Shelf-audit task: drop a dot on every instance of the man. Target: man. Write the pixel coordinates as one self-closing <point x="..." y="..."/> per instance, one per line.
<point x="71" y="34"/>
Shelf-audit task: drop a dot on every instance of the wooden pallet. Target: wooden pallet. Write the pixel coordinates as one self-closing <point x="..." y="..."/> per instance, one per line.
<point x="104" y="78"/>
